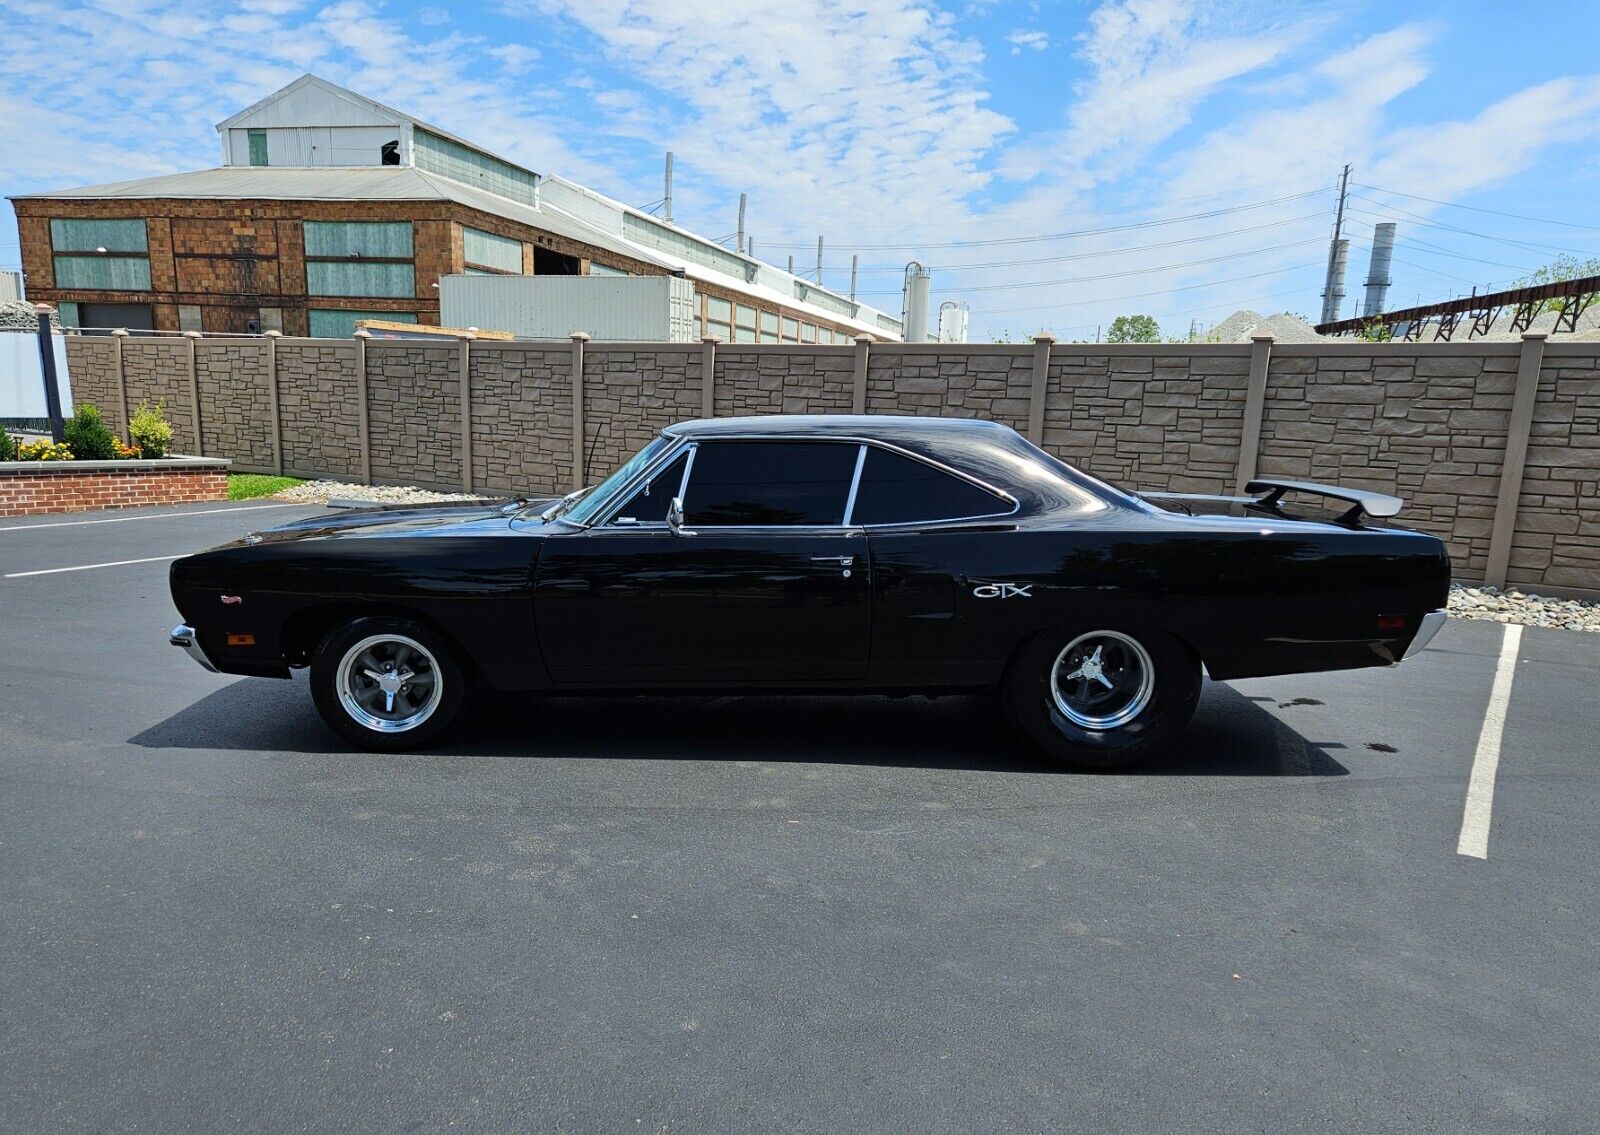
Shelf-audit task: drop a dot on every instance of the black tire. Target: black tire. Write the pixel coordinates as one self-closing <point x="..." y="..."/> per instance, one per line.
<point x="409" y="724"/>
<point x="1155" y="716"/>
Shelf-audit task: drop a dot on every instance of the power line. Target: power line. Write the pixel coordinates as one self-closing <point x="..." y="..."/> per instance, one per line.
<point x="900" y="269"/>
<point x="1478" y="209"/>
<point x="1119" y="275"/>
<point x="1421" y="220"/>
<point x="1075" y="232"/>
<point x="1145" y="295"/>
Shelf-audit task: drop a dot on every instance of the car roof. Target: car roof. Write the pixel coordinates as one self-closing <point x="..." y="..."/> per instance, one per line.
<point x="897" y="428"/>
<point x="992" y="452"/>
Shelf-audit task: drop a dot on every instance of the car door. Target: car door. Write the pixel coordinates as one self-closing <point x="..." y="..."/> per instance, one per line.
<point x="762" y="584"/>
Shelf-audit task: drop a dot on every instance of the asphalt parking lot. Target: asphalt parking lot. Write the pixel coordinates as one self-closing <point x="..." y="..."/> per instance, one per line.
<point x="718" y="914"/>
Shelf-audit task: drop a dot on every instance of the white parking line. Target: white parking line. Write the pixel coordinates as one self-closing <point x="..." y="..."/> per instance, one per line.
<point x="1479" y="809"/>
<point x="91" y="567"/>
<point x="150" y="516"/>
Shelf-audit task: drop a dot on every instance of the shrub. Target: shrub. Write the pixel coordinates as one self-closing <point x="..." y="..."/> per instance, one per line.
<point x="149" y="431"/>
<point x="123" y="449"/>
<point x="44" y="451"/>
<point x="8" y="448"/>
<point x="86" y="435"/>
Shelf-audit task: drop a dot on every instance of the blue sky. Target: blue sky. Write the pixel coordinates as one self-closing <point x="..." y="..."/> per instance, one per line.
<point x="1056" y="163"/>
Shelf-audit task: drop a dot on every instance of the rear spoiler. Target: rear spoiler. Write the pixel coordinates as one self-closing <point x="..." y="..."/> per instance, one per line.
<point x="1362" y="503"/>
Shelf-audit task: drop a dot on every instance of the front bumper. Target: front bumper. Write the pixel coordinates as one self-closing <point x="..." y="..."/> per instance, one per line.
<point x="183" y="636"/>
<point x="1431" y="624"/>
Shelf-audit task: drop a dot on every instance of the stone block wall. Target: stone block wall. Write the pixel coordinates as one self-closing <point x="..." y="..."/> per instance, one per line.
<point x="522" y="417"/>
<point x="993" y="382"/>
<point x="630" y="394"/>
<point x="235" y="400"/>
<point x="1147" y="420"/>
<point x="1430" y="428"/>
<point x="794" y="380"/>
<point x="318" y="396"/>
<point x="1558" y="513"/>
<point x="1428" y="422"/>
<point x="414" y="392"/>
<point x="157" y="371"/>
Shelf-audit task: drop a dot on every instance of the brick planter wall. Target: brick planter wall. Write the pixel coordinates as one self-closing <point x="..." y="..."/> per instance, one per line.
<point x="28" y="488"/>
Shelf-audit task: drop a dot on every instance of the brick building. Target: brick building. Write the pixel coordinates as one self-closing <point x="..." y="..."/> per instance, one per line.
<point x="331" y="207"/>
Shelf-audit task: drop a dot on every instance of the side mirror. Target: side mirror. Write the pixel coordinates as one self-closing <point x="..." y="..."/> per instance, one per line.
<point x="675" y="518"/>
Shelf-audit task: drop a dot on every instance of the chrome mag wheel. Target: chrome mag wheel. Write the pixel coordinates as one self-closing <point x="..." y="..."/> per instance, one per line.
<point x="389" y="683"/>
<point x="1102" y="680"/>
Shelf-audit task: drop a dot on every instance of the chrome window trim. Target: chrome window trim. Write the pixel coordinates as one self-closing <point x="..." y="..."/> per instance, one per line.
<point x="855" y="485"/>
<point x="606" y="512"/>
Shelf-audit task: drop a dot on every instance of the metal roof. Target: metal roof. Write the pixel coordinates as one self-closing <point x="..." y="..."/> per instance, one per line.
<point x="371" y="106"/>
<point x="348" y="183"/>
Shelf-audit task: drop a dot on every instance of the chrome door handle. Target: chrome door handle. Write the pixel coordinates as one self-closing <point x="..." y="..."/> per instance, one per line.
<point x="842" y="561"/>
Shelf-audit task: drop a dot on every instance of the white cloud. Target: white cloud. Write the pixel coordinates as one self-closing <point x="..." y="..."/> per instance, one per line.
<point x="1031" y="40"/>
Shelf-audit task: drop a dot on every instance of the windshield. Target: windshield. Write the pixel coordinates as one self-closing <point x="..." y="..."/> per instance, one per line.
<point x="583" y="511"/>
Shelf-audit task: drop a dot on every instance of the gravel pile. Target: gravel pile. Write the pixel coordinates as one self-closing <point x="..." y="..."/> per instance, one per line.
<point x="1516" y="607"/>
<point x="320" y="492"/>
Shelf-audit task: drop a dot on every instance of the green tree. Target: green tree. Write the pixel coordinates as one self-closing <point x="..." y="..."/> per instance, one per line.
<point x="1133" y="329"/>
<point x="1563" y="267"/>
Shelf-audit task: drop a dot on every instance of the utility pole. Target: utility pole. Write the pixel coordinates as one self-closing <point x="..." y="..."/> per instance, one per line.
<point x="666" y="209"/>
<point x="819" y="260"/>
<point x="750" y="249"/>
<point x="791" y="264"/>
<point x="741" y="224"/>
<point x="853" y="261"/>
<point x="1338" y="252"/>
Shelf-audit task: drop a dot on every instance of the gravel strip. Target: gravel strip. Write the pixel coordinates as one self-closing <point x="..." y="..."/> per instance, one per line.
<point x="320" y="492"/>
<point x="1498" y="606"/>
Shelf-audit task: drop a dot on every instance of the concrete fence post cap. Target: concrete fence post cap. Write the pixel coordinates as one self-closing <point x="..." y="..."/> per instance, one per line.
<point x="709" y="339"/>
<point x="43" y="308"/>
<point x="1044" y="337"/>
<point x="865" y="338"/>
<point x="580" y="336"/>
<point x="272" y="334"/>
<point x="1262" y="339"/>
<point x="361" y="333"/>
<point x="1535" y="335"/>
<point x="120" y="333"/>
<point x="191" y="335"/>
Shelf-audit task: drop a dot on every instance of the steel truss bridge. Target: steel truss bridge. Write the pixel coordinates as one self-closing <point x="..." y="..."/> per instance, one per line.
<point x="1478" y="313"/>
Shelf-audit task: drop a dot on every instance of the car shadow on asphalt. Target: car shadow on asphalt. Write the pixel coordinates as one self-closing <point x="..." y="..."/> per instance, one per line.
<point x="1231" y="735"/>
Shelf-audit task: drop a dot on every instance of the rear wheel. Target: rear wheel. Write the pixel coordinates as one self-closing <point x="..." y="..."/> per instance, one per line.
<point x="387" y="684"/>
<point x="1102" y="697"/>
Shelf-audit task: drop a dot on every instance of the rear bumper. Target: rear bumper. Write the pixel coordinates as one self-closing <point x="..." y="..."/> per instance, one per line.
<point x="1430" y="626"/>
<point x="183" y="636"/>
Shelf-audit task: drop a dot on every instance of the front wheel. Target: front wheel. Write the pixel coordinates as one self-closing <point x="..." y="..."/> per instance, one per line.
<point x="1102" y="697"/>
<point x="387" y="684"/>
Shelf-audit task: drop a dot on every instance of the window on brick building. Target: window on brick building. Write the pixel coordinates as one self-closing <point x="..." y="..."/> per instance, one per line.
<point x="549" y="262"/>
<point x="719" y="319"/>
<point x="488" y="254"/>
<point x="744" y="327"/>
<point x="258" y="146"/>
<point x="327" y="324"/>
<point x="791" y="330"/>
<point x="104" y="254"/>
<point x="769" y="327"/>
<point x="359" y="258"/>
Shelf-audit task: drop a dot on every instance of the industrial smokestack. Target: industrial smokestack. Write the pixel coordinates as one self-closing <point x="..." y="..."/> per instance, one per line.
<point x="1333" y="292"/>
<point x="1378" y="280"/>
<point x="666" y="207"/>
<point x="914" y="315"/>
<point x="791" y="264"/>
<point x="819" y="260"/>
<point x="741" y="224"/>
<point x="853" y="260"/>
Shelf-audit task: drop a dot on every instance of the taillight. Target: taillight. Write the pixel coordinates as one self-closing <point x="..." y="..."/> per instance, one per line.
<point x="1391" y="622"/>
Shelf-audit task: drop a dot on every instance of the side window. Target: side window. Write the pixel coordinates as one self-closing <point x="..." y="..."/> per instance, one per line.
<point x="899" y="490"/>
<point x="648" y="504"/>
<point x="769" y="482"/>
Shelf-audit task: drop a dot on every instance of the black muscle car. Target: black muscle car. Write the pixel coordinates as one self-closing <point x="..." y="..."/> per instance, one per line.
<point x="839" y="553"/>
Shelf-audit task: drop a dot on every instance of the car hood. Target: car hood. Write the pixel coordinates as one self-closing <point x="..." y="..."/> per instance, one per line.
<point x="449" y="518"/>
